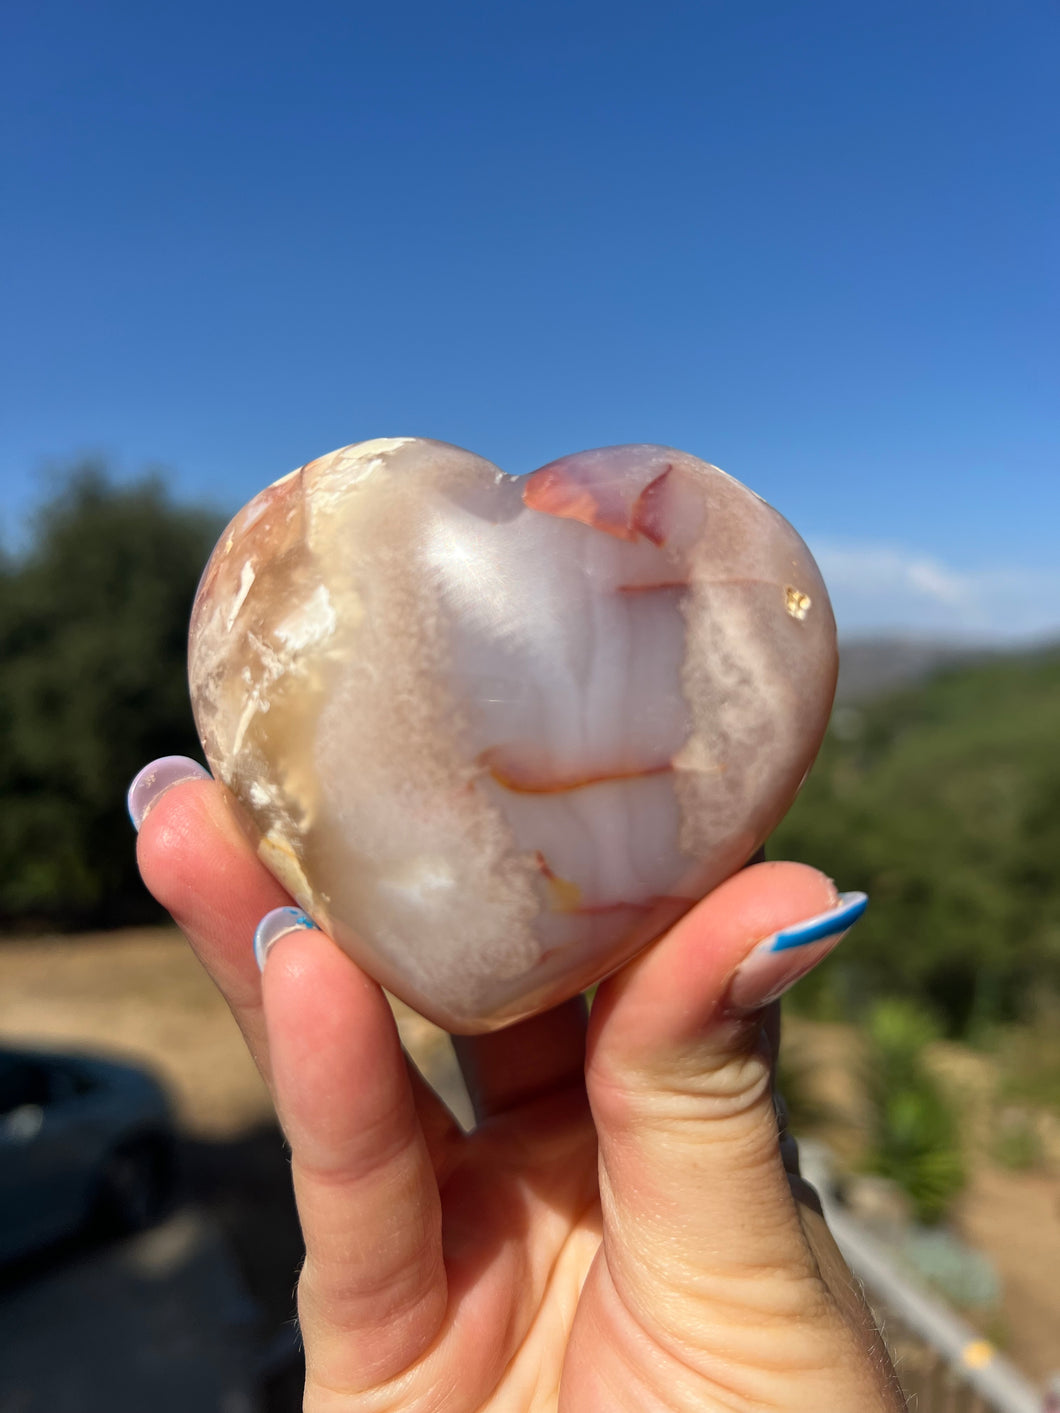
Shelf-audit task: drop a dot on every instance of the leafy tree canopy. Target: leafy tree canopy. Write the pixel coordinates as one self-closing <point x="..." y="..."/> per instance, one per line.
<point x="93" y="628"/>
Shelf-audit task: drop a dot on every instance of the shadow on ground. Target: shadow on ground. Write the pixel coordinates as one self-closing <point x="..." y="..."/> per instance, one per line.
<point x="196" y="1313"/>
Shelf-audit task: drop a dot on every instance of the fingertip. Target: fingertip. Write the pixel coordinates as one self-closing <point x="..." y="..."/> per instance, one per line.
<point x="155" y="779"/>
<point x="278" y="923"/>
<point x="770" y="895"/>
<point x="175" y="831"/>
<point x="673" y="990"/>
<point x="315" y="991"/>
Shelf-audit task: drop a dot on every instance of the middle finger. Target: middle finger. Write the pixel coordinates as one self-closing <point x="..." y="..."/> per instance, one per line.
<point x="535" y="1058"/>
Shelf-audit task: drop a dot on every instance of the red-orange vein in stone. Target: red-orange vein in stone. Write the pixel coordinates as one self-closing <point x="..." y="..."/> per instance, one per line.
<point x="657" y="900"/>
<point x="554" y="493"/>
<point x="653" y="588"/>
<point x="525" y="782"/>
<point x="647" y="517"/>
<point x="566" y="897"/>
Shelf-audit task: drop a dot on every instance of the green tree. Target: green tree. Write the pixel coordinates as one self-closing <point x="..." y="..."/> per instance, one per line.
<point x="93" y="628"/>
<point x="943" y="802"/>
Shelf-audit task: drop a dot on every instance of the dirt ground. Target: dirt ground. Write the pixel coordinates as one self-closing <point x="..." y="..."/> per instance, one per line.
<point x="141" y="995"/>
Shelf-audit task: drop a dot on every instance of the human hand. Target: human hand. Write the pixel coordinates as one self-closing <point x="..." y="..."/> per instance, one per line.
<point x="618" y="1233"/>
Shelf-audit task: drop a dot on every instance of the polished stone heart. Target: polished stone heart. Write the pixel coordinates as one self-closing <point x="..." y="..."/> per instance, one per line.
<point x="495" y="733"/>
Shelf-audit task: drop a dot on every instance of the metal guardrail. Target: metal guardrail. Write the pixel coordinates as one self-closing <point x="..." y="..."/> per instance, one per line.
<point x="929" y="1381"/>
<point x="947" y="1365"/>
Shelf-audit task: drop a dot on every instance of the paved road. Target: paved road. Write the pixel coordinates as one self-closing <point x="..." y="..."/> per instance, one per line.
<point x="158" y="1322"/>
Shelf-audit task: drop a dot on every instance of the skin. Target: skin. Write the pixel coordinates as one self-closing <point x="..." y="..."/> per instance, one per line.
<point x="620" y="1231"/>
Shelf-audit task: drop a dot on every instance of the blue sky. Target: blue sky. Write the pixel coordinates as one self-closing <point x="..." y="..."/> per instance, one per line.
<point x="815" y="243"/>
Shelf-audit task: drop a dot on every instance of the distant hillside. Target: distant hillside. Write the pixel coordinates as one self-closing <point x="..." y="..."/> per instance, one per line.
<point x="942" y="801"/>
<point x="869" y="666"/>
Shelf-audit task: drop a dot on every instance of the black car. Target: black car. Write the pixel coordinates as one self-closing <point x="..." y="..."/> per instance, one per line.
<point x="81" y="1139"/>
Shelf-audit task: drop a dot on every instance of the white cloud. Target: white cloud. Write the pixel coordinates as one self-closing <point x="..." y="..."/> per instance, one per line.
<point x="887" y="589"/>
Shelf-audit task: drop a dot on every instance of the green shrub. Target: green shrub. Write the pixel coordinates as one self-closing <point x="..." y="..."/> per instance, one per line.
<point x="913" y="1131"/>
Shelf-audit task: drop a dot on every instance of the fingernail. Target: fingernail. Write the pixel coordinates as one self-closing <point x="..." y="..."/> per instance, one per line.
<point x="781" y="959"/>
<point x="275" y="925"/>
<point x="155" y="779"/>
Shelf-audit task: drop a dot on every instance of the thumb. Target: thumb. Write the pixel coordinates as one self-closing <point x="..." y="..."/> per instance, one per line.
<point x="698" y="1214"/>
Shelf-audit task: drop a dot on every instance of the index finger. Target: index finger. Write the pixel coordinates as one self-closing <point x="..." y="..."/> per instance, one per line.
<point x="199" y="865"/>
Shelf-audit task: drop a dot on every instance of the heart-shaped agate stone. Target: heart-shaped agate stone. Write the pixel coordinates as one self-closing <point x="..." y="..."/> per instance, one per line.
<point x="495" y="734"/>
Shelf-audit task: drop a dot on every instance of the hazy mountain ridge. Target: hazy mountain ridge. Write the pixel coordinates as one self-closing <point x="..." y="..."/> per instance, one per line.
<point x="871" y="667"/>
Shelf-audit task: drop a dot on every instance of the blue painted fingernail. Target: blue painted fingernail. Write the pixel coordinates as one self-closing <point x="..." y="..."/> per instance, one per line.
<point x="838" y="919"/>
<point x="780" y="960"/>
<point x="155" y="779"/>
<point x="275" y="925"/>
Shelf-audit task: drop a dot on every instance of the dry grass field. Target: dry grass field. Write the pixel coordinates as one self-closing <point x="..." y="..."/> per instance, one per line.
<point x="141" y="994"/>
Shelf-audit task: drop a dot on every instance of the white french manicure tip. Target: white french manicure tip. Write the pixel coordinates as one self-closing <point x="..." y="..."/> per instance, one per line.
<point x="275" y="925"/>
<point x="151" y="783"/>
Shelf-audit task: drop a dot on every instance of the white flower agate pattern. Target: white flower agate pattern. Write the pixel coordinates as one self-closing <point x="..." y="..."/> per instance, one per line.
<point x="494" y="734"/>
